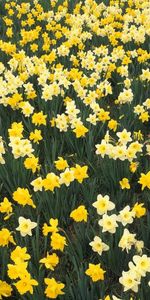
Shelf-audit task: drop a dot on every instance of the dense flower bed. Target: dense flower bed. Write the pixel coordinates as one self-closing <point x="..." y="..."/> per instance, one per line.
<point x="74" y="150"/>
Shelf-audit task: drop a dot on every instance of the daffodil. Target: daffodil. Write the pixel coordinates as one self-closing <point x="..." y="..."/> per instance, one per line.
<point x="25" y="226"/>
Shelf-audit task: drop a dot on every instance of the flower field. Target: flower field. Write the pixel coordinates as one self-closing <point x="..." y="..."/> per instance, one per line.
<point x="75" y="150"/>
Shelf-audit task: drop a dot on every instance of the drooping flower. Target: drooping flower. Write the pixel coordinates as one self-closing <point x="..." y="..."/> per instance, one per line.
<point x="23" y="197"/>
